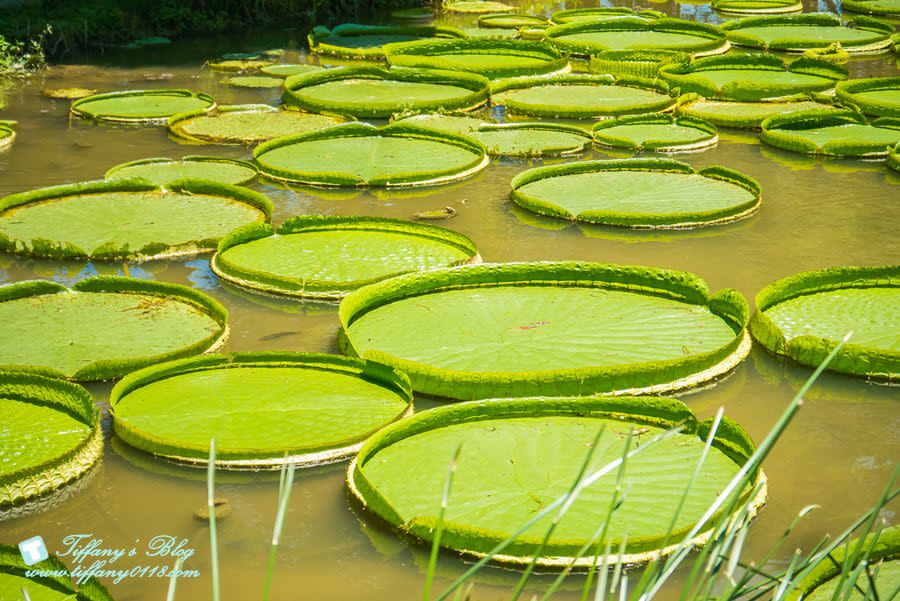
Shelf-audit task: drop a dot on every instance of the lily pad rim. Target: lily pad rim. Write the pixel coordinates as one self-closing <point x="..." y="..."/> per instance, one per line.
<point x="363" y="129"/>
<point x="246" y="196"/>
<point x="300" y="224"/>
<point x="528" y="407"/>
<point x="189" y="159"/>
<point x="373" y="372"/>
<point x="846" y="91"/>
<point x="636" y="220"/>
<point x="778" y="131"/>
<point x="113" y="369"/>
<point x="34" y="480"/>
<point x="727" y="304"/>
<point x="823" y="19"/>
<point x="702" y="125"/>
<point x="806" y="349"/>
<point x="74" y="110"/>
<point x="318" y="38"/>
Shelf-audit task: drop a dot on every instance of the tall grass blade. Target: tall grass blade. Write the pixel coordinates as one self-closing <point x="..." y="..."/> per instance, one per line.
<point x="285" y="485"/>
<point x="439" y="525"/>
<point x="211" y="505"/>
<point x="173" y="579"/>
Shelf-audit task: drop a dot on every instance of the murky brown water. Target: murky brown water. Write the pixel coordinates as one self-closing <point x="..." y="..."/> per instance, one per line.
<point x="815" y="213"/>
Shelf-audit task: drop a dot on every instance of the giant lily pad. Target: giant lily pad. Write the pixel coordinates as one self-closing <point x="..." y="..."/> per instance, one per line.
<point x="743" y="115"/>
<point x="511" y="21"/>
<point x="531" y="139"/>
<point x="163" y="171"/>
<point x="43" y="581"/>
<point x="580" y="96"/>
<point x="878" y="96"/>
<point x="757" y="7"/>
<point x="240" y="62"/>
<point x="661" y="133"/>
<point x="286" y="70"/>
<point x="635" y="63"/>
<point x="247" y="124"/>
<point x="126" y="219"/>
<point x="492" y="58"/>
<point x="367" y="41"/>
<point x="255" y="81"/>
<point x="328" y="256"/>
<point x="753" y="78"/>
<point x="454" y="124"/>
<point x="635" y="33"/>
<point x="57" y="426"/>
<point x="600" y="13"/>
<point x="518" y="329"/>
<point x="796" y="33"/>
<point x="881" y="550"/>
<point x="805" y="316"/>
<point x="105" y="327"/>
<point x="306" y="409"/>
<point x="7" y="134"/>
<point x="505" y="449"/>
<point x="831" y="133"/>
<point x="141" y="106"/>
<point x="360" y="154"/>
<point x="637" y="193"/>
<point x="887" y="8"/>
<point x="376" y="93"/>
<point x="476" y="6"/>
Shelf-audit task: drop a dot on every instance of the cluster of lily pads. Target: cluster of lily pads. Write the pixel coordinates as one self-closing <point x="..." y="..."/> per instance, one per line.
<point x="419" y="313"/>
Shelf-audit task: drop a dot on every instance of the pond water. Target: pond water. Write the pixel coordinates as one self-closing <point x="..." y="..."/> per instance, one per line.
<point x="815" y="213"/>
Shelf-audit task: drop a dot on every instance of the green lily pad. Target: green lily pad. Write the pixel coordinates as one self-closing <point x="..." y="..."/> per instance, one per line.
<point x="805" y="316"/>
<point x="492" y="58"/>
<point x="505" y="448"/>
<point x="600" y="13"/>
<point x="840" y="133"/>
<point x="323" y="256"/>
<point x="305" y="409"/>
<point x="247" y="124"/>
<point x="753" y="77"/>
<point x="757" y="7"/>
<point x="879" y="96"/>
<point x="367" y="41"/>
<point x="233" y="63"/>
<point x="372" y="92"/>
<point x="360" y="154"/>
<point x="637" y="193"/>
<point x="635" y="63"/>
<point x="105" y="327"/>
<point x="743" y="115"/>
<point x="589" y="37"/>
<point x="531" y="139"/>
<point x="50" y="436"/>
<point x="476" y="6"/>
<point x="578" y="96"/>
<point x="7" y="134"/>
<point x="814" y="30"/>
<point x="511" y="21"/>
<point x="68" y="93"/>
<point x="286" y="70"/>
<point x="661" y="133"/>
<point x="518" y="329"/>
<point x="126" y="219"/>
<point x="141" y="106"/>
<point x="882" y="552"/>
<point x="886" y="8"/>
<point x="454" y="124"/>
<point x="254" y="81"/>
<point x="163" y="171"/>
<point x="16" y="576"/>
